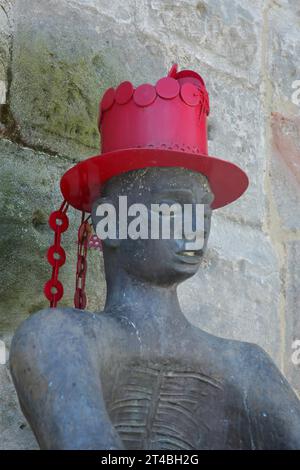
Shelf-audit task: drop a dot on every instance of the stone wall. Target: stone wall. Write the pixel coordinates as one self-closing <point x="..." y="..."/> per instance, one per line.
<point x="56" y="59"/>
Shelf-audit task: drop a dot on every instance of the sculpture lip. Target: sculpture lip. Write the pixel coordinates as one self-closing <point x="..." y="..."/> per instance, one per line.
<point x="189" y="256"/>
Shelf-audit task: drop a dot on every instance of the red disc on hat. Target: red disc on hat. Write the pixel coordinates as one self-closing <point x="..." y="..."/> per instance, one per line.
<point x="189" y="76"/>
<point x="144" y="95"/>
<point x="124" y="92"/>
<point x="190" y="94"/>
<point x="167" y="87"/>
<point x="108" y="99"/>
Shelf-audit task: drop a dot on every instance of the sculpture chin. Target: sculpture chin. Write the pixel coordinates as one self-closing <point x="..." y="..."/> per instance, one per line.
<point x="186" y="268"/>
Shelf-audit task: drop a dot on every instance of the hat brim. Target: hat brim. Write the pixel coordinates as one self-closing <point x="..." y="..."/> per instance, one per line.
<point x="81" y="184"/>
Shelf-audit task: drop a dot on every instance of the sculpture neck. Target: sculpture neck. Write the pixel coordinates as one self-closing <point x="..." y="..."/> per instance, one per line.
<point x="148" y="307"/>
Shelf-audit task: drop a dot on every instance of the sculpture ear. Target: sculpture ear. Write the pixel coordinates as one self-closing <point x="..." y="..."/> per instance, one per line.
<point x="105" y="221"/>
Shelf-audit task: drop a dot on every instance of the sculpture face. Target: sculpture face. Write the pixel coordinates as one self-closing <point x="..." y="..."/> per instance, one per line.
<point x="157" y="261"/>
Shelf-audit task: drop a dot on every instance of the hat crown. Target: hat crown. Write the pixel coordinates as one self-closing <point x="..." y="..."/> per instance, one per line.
<point x="164" y="126"/>
<point x="171" y="115"/>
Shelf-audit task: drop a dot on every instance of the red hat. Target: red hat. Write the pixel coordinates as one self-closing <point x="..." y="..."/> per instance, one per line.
<point x="163" y="125"/>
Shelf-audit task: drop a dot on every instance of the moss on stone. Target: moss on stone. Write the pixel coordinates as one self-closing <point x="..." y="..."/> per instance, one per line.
<point x="56" y="95"/>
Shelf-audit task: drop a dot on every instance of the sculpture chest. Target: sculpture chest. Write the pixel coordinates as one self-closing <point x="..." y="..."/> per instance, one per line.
<point x="166" y="406"/>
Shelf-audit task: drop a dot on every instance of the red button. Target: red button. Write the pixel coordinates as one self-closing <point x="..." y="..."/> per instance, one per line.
<point x="108" y="99"/>
<point x="124" y="92"/>
<point x="167" y="88"/>
<point x="144" y="95"/>
<point x="190" y="94"/>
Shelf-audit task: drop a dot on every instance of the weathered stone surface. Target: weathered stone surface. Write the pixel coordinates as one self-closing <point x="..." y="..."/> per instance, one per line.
<point x="225" y="35"/>
<point x="5" y="39"/>
<point x="64" y="57"/>
<point x="292" y="318"/>
<point x="284" y="80"/>
<point x="5" y="53"/>
<point x="235" y="125"/>
<point x="285" y="169"/>
<point x="283" y="54"/>
<point x="29" y="190"/>
<point x="235" y="293"/>
<point x="14" y="430"/>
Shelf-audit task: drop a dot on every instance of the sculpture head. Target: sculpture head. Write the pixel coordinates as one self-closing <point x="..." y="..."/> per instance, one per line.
<point x="159" y="261"/>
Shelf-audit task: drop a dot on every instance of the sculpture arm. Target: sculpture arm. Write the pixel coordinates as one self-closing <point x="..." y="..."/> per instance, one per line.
<point x="272" y="406"/>
<point x="55" y="368"/>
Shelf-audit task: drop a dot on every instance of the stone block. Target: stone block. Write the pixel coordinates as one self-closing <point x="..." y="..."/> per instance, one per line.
<point x="65" y="55"/>
<point x="235" y="134"/>
<point x="14" y="430"/>
<point x="283" y="52"/>
<point x="225" y="35"/>
<point x="292" y="318"/>
<point x="285" y="169"/>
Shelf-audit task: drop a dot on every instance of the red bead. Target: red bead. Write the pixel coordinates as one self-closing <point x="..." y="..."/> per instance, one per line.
<point x="167" y="87"/>
<point x="124" y="92"/>
<point x="144" y="95"/>
<point x="59" y="221"/>
<point x="190" y="94"/>
<point x="60" y="258"/>
<point x="53" y="285"/>
<point x="108" y="99"/>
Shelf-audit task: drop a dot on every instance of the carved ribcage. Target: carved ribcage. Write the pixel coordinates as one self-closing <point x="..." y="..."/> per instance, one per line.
<point x="158" y="408"/>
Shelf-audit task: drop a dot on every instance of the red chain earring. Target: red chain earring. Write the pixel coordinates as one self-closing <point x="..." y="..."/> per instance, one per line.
<point x="56" y="255"/>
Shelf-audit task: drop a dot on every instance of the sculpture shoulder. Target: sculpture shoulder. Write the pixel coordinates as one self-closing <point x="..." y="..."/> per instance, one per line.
<point x="248" y="362"/>
<point x="232" y="352"/>
<point x="272" y="405"/>
<point x="61" y="319"/>
<point x="266" y="383"/>
<point x="55" y="329"/>
<point x="238" y="359"/>
<point x="250" y="357"/>
<point x="259" y="365"/>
